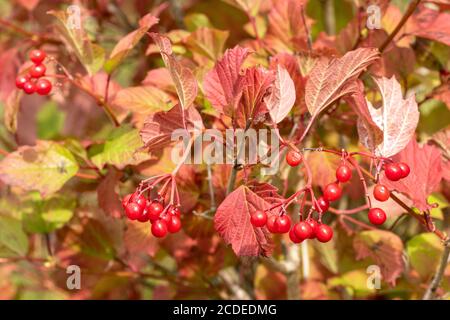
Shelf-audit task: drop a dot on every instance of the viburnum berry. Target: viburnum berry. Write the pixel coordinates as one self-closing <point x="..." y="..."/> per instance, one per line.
<point x="322" y="203"/>
<point x="154" y="210"/>
<point x="313" y="224"/>
<point x="139" y="199"/>
<point x="144" y="216"/>
<point x="258" y="218"/>
<point x="343" y="173"/>
<point x="133" y="210"/>
<point x="37" y="56"/>
<point x="303" y="230"/>
<point x="293" y="158"/>
<point x="332" y="192"/>
<point x="43" y="87"/>
<point x="37" y="71"/>
<point x="324" y="233"/>
<point x="283" y="223"/>
<point x="174" y="211"/>
<point x="404" y="168"/>
<point x="159" y="228"/>
<point x="381" y="192"/>
<point x="174" y="224"/>
<point x="271" y="226"/>
<point x="21" y="80"/>
<point x="293" y="236"/>
<point x="393" y="172"/>
<point x="29" y="87"/>
<point x="377" y="216"/>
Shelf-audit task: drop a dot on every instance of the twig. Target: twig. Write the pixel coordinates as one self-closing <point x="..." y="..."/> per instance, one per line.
<point x="305" y="25"/>
<point x="211" y="188"/>
<point x="412" y="6"/>
<point x="329" y="16"/>
<point x="432" y="288"/>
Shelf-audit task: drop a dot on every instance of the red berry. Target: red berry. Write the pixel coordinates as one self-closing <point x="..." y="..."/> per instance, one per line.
<point x="293" y="236"/>
<point x="159" y="228"/>
<point x="37" y="71"/>
<point x="154" y="210"/>
<point x="324" y="233"/>
<point x="376" y="216"/>
<point x="283" y="223"/>
<point x="404" y="168"/>
<point x="271" y="226"/>
<point x="37" y="56"/>
<point x="139" y="199"/>
<point x="43" y="87"/>
<point x="332" y="192"/>
<point x="322" y="203"/>
<point x="258" y="218"/>
<point x="144" y="217"/>
<point x="313" y="224"/>
<point x="293" y="158"/>
<point x="393" y="172"/>
<point x="381" y="192"/>
<point x="133" y="210"/>
<point x="303" y="230"/>
<point x="174" y="211"/>
<point x="343" y="173"/>
<point x="174" y="224"/>
<point x="21" y="80"/>
<point x="29" y="87"/>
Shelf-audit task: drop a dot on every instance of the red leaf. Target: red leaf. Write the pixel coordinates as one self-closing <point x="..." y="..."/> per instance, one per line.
<point x="291" y="64"/>
<point x="108" y="198"/>
<point x="224" y="84"/>
<point x="329" y="80"/>
<point x="282" y="97"/>
<point x="232" y="222"/>
<point x="433" y="25"/>
<point x="369" y="133"/>
<point x="183" y="78"/>
<point x="397" y="118"/>
<point x="385" y="247"/>
<point x="426" y="172"/>
<point x="158" y="127"/>
<point x="257" y="81"/>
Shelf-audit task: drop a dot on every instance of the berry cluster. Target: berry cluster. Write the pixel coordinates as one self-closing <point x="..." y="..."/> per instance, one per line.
<point x="163" y="220"/>
<point x="308" y="229"/>
<point x="33" y="82"/>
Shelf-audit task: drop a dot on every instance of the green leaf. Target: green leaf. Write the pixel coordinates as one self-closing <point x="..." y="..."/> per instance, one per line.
<point x="44" y="216"/>
<point x="91" y="56"/>
<point x="45" y="167"/>
<point x="120" y="149"/>
<point x="143" y="100"/>
<point x="196" y="20"/>
<point x="424" y="251"/>
<point x="355" y="282"/>
<point x="13" y="241"/>
<point x="442" y="203"/>
<point x="50" y="121"/>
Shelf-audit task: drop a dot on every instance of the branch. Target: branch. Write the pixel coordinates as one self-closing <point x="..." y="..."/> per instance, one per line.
<point x="412" y="6"/>
<point x="432" y="288"/>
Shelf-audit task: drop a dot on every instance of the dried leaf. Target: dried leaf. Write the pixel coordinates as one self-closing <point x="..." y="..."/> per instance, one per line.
<point x="330" y="79"/>
<point x="223" y="85"/>
<point x="45" y="167"/>
<point x="426" y="172"/>
<point x="232" y="222"/>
